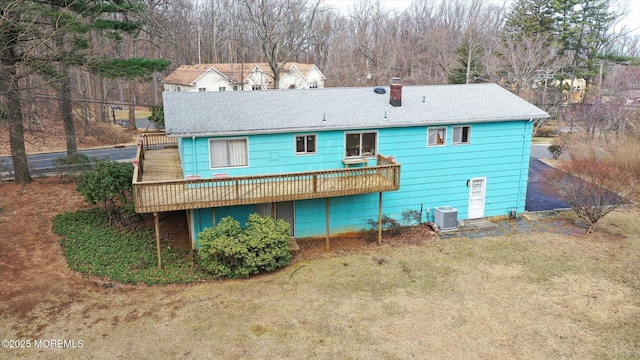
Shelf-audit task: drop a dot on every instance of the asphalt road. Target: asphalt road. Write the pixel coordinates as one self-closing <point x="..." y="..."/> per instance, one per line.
<point x="42" y="164"/>
<point x="537" y="198"/>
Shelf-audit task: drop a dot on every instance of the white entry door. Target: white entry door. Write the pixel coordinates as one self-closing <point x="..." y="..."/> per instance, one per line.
<point x="477" y="188"/>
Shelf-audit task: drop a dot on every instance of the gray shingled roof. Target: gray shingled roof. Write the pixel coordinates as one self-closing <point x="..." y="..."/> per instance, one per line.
<point x="247" y="112"/>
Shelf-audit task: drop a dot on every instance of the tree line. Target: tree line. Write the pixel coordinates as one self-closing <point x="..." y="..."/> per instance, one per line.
<point x="84" y="55"/>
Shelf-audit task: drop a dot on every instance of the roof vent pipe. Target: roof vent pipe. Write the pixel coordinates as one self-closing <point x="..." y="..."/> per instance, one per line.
<point x="395" y="98"/>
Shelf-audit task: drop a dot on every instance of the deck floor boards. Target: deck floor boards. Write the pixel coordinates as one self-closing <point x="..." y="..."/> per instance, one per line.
<point x="162" y="165"/>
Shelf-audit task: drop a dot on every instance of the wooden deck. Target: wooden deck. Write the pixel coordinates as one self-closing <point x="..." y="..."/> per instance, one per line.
<point x="159" y="185"/>
<point x="162" y="165"/>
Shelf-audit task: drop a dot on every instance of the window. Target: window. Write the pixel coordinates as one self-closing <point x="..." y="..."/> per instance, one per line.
<point x="437" y="136"/>
<point x="178" y="88"/>
<point x="361" y="144"/>
<point x="305" y="144"/>
<point x="228" y="152"/>
<point x="461" y="134"/>
<point x="222" y="88"/>
<point x="202" y="89"/>
<point x="256" y="87"/>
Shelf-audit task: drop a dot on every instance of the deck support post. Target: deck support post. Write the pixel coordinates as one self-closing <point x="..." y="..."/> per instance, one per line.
<point x="380" y="219"/>
<point x="191" y="235"/>
<point x="327" y="223"/>
<point x="157" y="224"/>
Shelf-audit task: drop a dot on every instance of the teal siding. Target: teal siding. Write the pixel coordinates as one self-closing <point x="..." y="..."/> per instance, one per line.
<point x="268" y="154"/>
<point x="430" y="176"/>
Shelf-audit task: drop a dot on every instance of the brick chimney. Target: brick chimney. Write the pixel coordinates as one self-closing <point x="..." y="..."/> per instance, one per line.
<point x="395" y="93"/>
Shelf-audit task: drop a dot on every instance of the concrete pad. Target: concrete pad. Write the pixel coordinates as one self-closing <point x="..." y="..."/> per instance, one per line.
<point x="477" y="224"/>
<point x="536" y="215"/>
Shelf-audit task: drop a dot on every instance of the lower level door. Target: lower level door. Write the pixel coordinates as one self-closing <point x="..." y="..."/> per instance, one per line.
<point x="281" y="210"/>
<point x="477" y="188"/>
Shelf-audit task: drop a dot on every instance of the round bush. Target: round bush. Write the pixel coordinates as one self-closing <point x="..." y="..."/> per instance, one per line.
<point x="228" y="251"/>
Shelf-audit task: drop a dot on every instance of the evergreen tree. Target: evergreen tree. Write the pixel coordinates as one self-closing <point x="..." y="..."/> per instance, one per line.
<point x="530" y="18"/>
<point x="468" y="66"/>
<point x="582" y="31"/>
<point x="81" y="18"/>
<point x="15" y="30"/>
<point x="579" y="29"/>
<point x="50" y="37"/>
<point x="586" y="25"/>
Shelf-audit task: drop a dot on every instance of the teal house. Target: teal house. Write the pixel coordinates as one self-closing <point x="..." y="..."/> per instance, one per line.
<point x="329" y="160"/>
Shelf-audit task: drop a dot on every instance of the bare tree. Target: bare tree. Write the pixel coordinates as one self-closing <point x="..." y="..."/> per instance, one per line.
<point x="283" y="28"/>
<point x="592" y="188"/>
<point x="368" y="19"/>
<point x="519" y="59"/>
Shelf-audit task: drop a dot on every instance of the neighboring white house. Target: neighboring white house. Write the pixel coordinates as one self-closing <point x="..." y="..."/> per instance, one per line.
<point x="249" y="76"/>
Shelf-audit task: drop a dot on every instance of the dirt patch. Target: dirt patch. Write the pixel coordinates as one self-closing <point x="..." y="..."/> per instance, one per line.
<point x="36" y="281"/>
<point x="174" y="228"/>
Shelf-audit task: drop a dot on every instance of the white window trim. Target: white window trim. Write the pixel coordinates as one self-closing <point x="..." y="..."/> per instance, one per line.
<point x="344" y="145"/>
<point x="444" y="143"/>
<point x="295" y="148"/>
<point x="453" y="139"/>
<point x="246" y="139"/>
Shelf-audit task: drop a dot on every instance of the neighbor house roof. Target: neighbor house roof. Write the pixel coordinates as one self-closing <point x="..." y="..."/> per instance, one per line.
<point x="188" y="74"/>
<point x="251" y="112"/>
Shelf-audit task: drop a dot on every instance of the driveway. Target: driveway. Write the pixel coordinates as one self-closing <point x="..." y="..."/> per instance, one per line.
<point x="537" y="198"/>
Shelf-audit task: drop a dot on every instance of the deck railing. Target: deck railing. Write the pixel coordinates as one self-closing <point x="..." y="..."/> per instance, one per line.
<point x="240" y="190"/>
<point x="154" y="141"/>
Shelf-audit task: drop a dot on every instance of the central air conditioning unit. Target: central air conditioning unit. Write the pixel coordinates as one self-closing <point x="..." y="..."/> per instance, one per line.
<point x="445" y="217"/>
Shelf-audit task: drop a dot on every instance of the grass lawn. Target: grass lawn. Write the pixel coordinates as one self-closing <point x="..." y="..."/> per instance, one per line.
<point x="124" y="114"/>
<point x="522" y="295"/>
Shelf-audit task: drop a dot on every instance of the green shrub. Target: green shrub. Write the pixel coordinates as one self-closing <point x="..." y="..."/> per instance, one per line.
<point x="555" y="150"/>
<point x="110" y="186"/>
<point x="228" y="251"/>
<point x="94" y="248"/>
<point x="157" y="116"/>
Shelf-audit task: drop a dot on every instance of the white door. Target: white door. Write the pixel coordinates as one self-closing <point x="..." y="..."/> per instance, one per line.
<point x="476" y="197"/>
